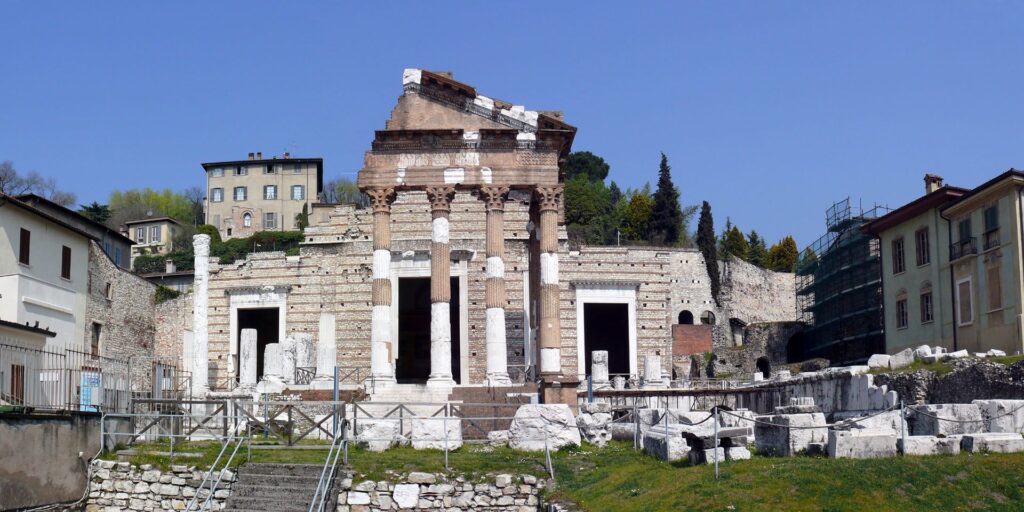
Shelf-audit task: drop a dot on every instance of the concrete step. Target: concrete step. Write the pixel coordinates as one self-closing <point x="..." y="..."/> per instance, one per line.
<point x="280" y="491"/>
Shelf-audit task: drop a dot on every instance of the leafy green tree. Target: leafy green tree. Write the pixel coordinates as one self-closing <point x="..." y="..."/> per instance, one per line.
<point x="757" y="253"/>
<point x="667" y="216"/>
<point x="96" y="211"/>
<point x="134" y="204"/>
<point x="783" y="255"/>
<point x="587" y="210"/>
<point x="209" y="229"/>
<point x="302" y="218"/>
<point x="707" y="243"/>
<point x="614" y="194"/>
<point x="636" y="215"/>
<point x="585" y="163"/>
<point x="735" y="244"/>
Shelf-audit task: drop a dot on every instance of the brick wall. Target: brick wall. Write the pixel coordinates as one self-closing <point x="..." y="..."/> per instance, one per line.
<point x="690" y="339"/>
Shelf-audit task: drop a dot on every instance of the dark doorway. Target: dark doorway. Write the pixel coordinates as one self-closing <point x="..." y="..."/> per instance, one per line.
<point x="413" y="363"/>
<point x="764" y="367"/>
<point x="606" y="327"/>
<point x="796" y="348"/>
<point x="685" y="317"/>
<point x="265" y="321"/>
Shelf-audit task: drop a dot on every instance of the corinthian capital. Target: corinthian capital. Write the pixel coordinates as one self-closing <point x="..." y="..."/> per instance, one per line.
<point x="440" y="198"/>
<point x="494" y="197"/>
<point x="549" y="198"/>
<point x="381" y="199"/>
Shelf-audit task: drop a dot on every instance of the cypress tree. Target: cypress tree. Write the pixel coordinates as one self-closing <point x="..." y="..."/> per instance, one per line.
<point x="666" y="216"/>
<point x="757" y="253"/>
<point x="707" y="243"/>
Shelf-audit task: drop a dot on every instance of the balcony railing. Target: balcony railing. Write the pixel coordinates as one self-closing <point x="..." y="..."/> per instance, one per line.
<point x="992" y="239"/>
<point x="963" y="248"/>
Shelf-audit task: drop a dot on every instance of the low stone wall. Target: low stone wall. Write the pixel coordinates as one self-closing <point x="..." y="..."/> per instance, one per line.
<point x="124" y="486"/>
<point x="422" y="491"/>
<point x="971" y="379"/>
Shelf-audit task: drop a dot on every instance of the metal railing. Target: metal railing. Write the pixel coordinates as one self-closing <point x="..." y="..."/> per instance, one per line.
<point x="963" y="248"/>
<point x="323" y="487"/>
<point x="68" y="380"/>
<point x="208" y="502"/>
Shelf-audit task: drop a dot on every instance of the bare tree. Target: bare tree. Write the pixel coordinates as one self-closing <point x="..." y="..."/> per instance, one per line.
<point x="195" y="196"/>
<point x="14" y="184"/>
<point x="344" y="190"/>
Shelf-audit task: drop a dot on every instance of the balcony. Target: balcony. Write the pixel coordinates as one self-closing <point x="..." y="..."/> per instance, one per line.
<point x="992" y="239"/>
<point x="964" y="247"/>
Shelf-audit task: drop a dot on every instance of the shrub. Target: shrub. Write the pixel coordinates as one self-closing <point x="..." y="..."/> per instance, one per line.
<point x="164" y="294"/>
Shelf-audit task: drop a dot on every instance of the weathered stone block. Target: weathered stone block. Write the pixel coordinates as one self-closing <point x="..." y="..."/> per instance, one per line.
<point x="1002" y="415"/>
<point x="774" y="435"/>
<point x="901" y="359"/>
<point x="538" y="425"/>
<point x="436" y="433"/>
<point x="879" y="361"/>
<point x="378" y="435"/>
<point x="707" y="456"/>
<point x="737" y="453"/>
<point x="945" y="419"/>
<point x="861" y="443"/>
<point x="992" y="442"/>
<point x="406" y="495"/>
<point x="666" y="444"/>
<point x="928" y="445"/>
<point x="922" y="351"/>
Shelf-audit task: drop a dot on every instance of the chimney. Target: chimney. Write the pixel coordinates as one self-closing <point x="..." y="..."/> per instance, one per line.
<point x="251" y="154"/>
<point x="287" y="155"/>
<point x="259" y="155"/>
<point x="932" y="183"/>
<point x="170" y="266"/>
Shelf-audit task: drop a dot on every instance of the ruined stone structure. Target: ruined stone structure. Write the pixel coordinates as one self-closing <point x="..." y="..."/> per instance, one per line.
<point x="459" y="272"/>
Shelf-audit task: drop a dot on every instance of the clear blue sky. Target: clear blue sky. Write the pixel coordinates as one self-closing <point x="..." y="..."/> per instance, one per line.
<point x="769" y="110"/>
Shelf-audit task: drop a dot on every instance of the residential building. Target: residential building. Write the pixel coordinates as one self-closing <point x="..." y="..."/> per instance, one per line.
<point x="171" y="277"/>
<point x="114" y="244"/>
<point x="914" y="241"/>
<point x="839" y="289"/>
<point x="44" y="275"/>
<point x="257" y="194"/>
<point x="153" y="235"/>
<point x="984" y="266"/>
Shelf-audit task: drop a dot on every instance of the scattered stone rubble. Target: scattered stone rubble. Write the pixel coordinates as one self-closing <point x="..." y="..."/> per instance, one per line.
<point x="124" y="486"/>
<point x="593" y="422"/>
<point x="421" y="491"/>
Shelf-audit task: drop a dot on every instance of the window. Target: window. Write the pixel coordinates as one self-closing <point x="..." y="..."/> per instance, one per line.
<point x="269" y="221"/>
<point x="94" y="345"/>
<point x="927" y="310"/>
<point x="898" y="263"/>
<point x="154" y="234"/>
<point x="108" y="291"/>
<point x="707" y="318"/>
<point x="991" y="227"/>
<point x="270" y="192"/>
<point x="216" y="195"/>
<point x="216" y="221"/>
<point x="246" y="221"/>
<point x="964" y="302"/>
<point x="297" y="169"/>
<point x="924" y="254"/>
<point x="24" y="246"/>
<point x="117" y="255"/>
<point x="241" y="171"/>
<point x="217" y="172"/>
<point x="270" y="169"/>
<point x="240" y="193"/>
<point x="995" y="288"/>
<point x="298" y="192"/>
<point x="106" y="247"/>
<point x="901" y="313"/>
<point x="964" y="228"/>
<point x="65" y="262"/>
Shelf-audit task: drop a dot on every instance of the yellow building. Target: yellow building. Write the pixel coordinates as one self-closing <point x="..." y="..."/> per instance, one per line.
<point x="246" y="196"/>
<point x="985" y="265"/>
<point x="153" y="236"/>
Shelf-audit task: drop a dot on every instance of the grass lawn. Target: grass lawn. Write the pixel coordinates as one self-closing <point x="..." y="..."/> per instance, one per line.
<point x="621" y="479"/>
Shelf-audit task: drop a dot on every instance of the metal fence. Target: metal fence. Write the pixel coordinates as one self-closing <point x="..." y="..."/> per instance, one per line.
<point x="73" y="380"/>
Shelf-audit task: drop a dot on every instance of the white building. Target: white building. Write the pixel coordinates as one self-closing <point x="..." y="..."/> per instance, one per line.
<point x="44" y="276"/>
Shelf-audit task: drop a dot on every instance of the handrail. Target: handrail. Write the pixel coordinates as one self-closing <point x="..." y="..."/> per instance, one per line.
<point x="192" y="502"/>
<point x="323" y="485"/>
<point x="220" y="475"/>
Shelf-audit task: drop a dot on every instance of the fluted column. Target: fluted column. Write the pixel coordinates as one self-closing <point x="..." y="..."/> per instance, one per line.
<point x="497" y="348"/>
<point x="381" y="368"/>
<point x="549" y="200"/>
<point x="440" y="288"/>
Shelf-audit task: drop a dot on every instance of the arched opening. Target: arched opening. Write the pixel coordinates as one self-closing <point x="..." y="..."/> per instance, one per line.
<point x="796" y="348"/>
<point x="764" y="367"/>
<point x="707" y="318"/>
<point x="685" y="317"/>
<point x="247" y="220"/>
<point x="737" y="326"/>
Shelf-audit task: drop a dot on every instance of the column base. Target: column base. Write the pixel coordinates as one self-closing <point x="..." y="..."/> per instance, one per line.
<point x="560" y="392"/>
<point x="499" y="380"/>
<point x="440" y="382"/>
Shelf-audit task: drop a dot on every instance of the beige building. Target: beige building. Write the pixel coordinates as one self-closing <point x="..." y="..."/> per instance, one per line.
<point x="153" y="236"/>
<point x="985" y="265"/>
<point x="257" y="194"/>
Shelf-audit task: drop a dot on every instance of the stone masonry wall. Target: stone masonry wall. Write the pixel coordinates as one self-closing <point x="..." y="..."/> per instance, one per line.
<point x="124" y="486"/>
<point x="422" y="491"/>
<point x="125" y="312"/>
<point x="173" y="319"/>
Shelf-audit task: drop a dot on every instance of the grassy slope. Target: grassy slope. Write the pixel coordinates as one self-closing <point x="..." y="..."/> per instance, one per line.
<point x="620" y="479"/>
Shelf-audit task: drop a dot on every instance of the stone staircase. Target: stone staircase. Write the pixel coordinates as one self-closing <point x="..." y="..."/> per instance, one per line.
<point x="410" y="394"/>
<point x="278" y="487"/>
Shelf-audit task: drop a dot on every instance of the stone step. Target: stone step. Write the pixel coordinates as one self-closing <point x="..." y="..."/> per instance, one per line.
<point x="280" y="491"/>
<point x="281" y="469"/>
<point x="275" y="480"/>
<point x="268" y="504"/>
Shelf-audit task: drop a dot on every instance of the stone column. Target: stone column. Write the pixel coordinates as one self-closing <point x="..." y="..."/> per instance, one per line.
<point x="326" y="352"/>
<point x="497" y="348"/>
<point x="247" y="360"/>
<point x="652" y="372"/>
<point x="272" y="361"/>
<point x="440" y="288"/>
<point x="200" y="332"/>
<point x="550" y="336"/>
<point x="381" y="369"/>
<point x="288" y="359"/>
<point x="599" y="368"/>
